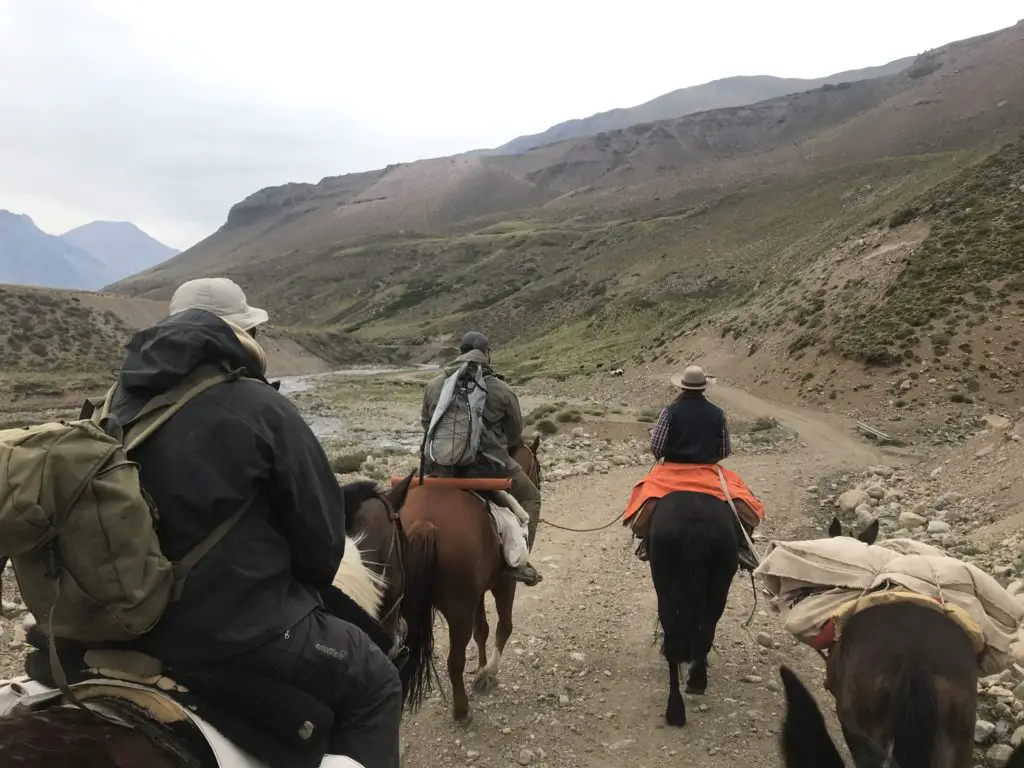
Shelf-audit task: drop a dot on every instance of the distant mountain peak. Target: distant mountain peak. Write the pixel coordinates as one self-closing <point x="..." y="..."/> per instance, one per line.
<point x="86" y="257"/>
<point x="121" y="245"/>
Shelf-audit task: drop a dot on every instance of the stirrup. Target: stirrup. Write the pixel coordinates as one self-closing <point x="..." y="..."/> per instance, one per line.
<point x="641" y="551"/>
<point x="748" y="562"/>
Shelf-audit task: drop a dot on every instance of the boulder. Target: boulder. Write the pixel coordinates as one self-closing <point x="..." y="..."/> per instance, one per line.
<point x="849" y="501"/>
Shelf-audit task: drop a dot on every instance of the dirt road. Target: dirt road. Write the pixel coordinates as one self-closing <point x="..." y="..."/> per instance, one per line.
<point x="584" y="683"/>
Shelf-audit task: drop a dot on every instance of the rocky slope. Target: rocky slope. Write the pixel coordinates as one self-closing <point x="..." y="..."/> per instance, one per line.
<point x="948" y="99"/>
<point x="965" y="503"/>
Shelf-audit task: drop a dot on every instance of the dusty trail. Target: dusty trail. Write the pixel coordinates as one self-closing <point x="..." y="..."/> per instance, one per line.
<point x="583" y="683"/>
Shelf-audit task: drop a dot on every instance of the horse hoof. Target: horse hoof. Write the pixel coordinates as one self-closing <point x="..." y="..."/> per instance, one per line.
<point x="485" y="683"/>
<point x="676" y="717"/>
<point x="695" y="690"/>
<point x="465" y="720"/>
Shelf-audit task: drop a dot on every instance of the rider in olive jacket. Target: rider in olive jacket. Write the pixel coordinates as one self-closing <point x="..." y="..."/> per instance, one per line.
<point x="502" y="427"/>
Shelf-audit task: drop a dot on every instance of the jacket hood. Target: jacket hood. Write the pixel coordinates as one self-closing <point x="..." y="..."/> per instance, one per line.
<point x="473" y="356"/>
<point x="161" y="356"/>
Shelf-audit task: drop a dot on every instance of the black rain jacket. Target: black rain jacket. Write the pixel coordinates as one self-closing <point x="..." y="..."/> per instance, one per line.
<point x="233" y="440"/>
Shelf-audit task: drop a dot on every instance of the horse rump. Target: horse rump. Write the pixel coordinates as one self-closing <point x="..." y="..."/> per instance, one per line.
<point x="693" y="558"/>
<point x="885" y="673"/>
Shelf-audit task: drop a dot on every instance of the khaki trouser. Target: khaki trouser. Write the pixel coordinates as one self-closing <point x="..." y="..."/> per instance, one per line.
<point x="528" y="496"/>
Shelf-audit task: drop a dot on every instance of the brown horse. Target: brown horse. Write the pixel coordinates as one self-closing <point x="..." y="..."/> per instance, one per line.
<point x="454" y="544"/>
<point x="806" y="743"/>
<point x="904" y="675"/>
<point x="67" y="737"/>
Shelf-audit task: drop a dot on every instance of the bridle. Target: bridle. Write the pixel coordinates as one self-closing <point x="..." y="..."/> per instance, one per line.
<point x="399" y="651"/>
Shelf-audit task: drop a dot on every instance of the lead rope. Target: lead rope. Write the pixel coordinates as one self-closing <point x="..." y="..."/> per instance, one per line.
<point x="750" y="543"/>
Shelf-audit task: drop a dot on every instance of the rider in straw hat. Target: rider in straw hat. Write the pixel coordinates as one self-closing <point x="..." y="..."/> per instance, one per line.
<point x="693" y="431"/>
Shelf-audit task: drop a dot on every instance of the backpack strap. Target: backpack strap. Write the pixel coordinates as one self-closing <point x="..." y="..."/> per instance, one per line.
<point x="184" y="566"/>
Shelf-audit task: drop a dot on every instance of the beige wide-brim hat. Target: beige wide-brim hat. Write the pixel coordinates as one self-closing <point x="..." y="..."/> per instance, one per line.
<point x="693" y="379"/>
<point x="221" y="296"/>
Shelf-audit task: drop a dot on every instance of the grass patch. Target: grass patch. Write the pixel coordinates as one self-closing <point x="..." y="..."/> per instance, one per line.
<point x="547" y="427"/>
<point x="569" y="417"/>
<point x="348" y="463"/>
<point x="648" y="415"/>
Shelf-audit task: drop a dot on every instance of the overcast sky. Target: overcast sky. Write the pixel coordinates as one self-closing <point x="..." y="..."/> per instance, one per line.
<point x="167" y="113"/>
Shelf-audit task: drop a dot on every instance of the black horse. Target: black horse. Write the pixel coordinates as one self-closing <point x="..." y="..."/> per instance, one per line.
<point x="693" y="558"/>
<point x="806" y="743"/>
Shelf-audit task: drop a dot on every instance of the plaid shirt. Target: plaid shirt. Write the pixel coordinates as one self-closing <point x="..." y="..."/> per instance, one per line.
<point x="660" y="434"/>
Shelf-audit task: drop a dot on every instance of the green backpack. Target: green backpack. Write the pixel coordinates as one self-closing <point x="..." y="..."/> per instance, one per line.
<point x="80" y="529"/>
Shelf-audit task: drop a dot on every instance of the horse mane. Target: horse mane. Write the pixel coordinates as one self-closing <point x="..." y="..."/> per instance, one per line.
<point x="365" y="587"/>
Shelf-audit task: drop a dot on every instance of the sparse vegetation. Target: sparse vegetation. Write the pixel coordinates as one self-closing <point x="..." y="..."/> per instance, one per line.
<point x="52" y="332"/>
<point x="347" y="463"/>
<point x="649" y="415"/>
<point x="547" y="427"/>
<point x="569" y="417"/>
<point x="969" y="254"/>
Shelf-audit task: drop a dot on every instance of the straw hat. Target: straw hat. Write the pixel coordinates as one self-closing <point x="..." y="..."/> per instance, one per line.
<point x="693" y="379"/>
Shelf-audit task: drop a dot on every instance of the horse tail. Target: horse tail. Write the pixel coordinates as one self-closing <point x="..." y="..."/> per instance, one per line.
<point x="915" y="718"/>
<point x="685" y="582"/>
<point x="418" y="609"/>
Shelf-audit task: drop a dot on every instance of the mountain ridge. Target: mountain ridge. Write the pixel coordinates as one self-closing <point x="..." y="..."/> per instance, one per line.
<point x="734" y="91"/>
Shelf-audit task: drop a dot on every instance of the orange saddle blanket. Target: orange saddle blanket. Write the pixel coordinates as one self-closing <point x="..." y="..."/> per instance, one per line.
<point x="700" y="478"/>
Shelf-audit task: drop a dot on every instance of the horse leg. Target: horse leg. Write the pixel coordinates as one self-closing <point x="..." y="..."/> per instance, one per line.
<point x="460" y="630"/>
<point x="481" y="631"/>
<point x="504" y="596"/>
<point x="697" y="679"/>
<point x="675" y="713"/>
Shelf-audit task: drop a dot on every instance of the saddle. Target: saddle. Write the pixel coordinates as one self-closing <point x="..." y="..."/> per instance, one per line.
<point x="277" y="723"/>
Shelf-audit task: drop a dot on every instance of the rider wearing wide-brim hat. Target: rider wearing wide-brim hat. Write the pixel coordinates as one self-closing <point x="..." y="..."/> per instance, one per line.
<point x="694" y="431"/>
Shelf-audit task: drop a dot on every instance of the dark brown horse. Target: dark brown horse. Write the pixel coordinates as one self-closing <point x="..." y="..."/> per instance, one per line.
<point x="376" y="527"/>
<point x="806" y="743"/>
<point x="67" y="737"/>
<point x="453" y="542"/>
<point x="905" y="675"/>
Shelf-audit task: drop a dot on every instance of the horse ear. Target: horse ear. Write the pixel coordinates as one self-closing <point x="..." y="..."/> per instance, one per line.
<point x="835" y="528"/>
<point x="536" y="444"/>
<point x="396" y="496"/>
<point x="869" y="534"/>
<point x="805" y="739"/>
